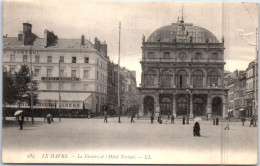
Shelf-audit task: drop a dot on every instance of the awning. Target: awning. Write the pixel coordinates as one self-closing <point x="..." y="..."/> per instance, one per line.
<point x="64" y="96"/>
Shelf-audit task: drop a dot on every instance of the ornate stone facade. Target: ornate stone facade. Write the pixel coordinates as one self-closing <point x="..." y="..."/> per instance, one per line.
<point x="182" y="72"/>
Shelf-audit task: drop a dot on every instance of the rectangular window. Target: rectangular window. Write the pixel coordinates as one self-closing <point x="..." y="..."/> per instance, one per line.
<point x="12" y="70"/>
<point x="198" y="56"/>
<point x="24" y="58"/>
<point x="166" y="55"/>
<point x="49" y="59"/>
<point x="86" y="73"/>
<point x="49" y="72"/>
<point x="49" y="86"/>
<point x="73" y="86"/>
<point x="61" y="73"/>
<point x="61" y="86"/>
<point x="12" y="58"/>
<point x="37" y="72"/>
<point x="86" y="59"/>
<point x="97" y="75"/>
<point x="61" y="59"/>
<point x="215" y="56"/>
<point x="37" y="58"/>
<point x="73" y="73"/>
<point x="74" y="59"/>
<point x="151" y="55"/>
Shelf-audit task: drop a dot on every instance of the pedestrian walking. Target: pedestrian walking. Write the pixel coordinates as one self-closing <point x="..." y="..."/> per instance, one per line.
<point x="217" y="120"/>
<point x="214" y="121"/>
<point x="48" y="118"/>
<point x="172" y="119"/>
<point x="243" y="119"/>
<point x="252" y="122"/>
<point x="132" y="119"/>
<point x="20" y="119"/>
<point x="196" y="129"/>
<point x="105" y="117"/>
<point x="152" y="118"/>
<point x="183" y="120"/>
<point x="227" y="127"/>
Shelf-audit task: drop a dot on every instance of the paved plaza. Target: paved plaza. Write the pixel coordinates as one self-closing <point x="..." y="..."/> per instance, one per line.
<point x="139" y="142"/>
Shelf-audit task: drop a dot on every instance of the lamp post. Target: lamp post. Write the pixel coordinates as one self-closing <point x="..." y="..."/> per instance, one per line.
<point x="119" y="74"/>
<point x="59" y="91"/>
<point x="31" y="77"/>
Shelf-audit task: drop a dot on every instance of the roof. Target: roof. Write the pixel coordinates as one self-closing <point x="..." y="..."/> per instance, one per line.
<point x="182" y="32"/>
<point x="71" y="44"/>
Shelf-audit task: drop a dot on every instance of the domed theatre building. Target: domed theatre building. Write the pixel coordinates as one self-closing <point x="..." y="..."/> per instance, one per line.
<point x="183" y="72"/>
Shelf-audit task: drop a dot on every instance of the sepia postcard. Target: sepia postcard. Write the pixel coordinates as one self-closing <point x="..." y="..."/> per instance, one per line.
<point x="120" y="82"/>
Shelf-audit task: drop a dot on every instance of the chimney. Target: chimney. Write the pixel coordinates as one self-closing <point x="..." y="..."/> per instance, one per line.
<point x="82" y="40"/>
<point x="27" y="31"/>
<point x="45" y="38"/>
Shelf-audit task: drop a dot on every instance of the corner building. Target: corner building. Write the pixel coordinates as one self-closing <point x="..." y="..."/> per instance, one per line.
<point x="183" y="72"/>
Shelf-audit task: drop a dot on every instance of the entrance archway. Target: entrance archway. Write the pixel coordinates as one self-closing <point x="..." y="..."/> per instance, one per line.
<point x="165" y="106"/>
<point x="217" y="106"/>
<point x="199" y="107"/>
<point x="182" y="106"/>
<point x="148" y="105"/>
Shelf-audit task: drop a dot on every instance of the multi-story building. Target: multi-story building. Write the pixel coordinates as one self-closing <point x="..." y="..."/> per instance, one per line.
<point x="128" y="92"/>
<point x="74" y="68"/>
<point x="183" y="72"/>
<point x="252" y="88"/>
<point x="231" y="90"/>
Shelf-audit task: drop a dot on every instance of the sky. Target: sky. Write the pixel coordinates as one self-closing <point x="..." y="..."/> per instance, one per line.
<point x="236" y="21"/>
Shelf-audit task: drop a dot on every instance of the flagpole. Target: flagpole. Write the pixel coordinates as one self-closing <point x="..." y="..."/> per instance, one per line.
<point x="59" y="92"/>
<point x="119" y="74"/>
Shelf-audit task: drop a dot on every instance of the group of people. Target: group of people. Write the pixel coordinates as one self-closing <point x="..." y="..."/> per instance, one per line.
<point x="253" y="121"/>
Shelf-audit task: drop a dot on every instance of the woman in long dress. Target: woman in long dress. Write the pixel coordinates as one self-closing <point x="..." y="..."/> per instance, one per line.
<point x="196" y="129"/>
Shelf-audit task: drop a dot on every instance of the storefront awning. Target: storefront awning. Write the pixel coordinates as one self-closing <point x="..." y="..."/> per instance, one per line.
<point x="64" y="96"/>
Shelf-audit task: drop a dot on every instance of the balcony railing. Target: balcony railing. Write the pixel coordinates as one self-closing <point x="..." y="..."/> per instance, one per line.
<point x="60" y="79"/>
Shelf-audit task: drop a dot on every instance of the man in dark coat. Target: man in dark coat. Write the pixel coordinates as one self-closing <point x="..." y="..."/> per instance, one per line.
<point x="196" y="129"/>
<point x="214" y="121"/>
<point x="183" y="120"/>
<point x="172" y="119"/>
<point x="217" y="120"/>
<point x="152" y="118"/>
<point x="132" y="119"/>
<point x="105" y="117"/>
<point x="243" y="121"/>
<point x="252" y="122"/>
<point x="20" y="119"/>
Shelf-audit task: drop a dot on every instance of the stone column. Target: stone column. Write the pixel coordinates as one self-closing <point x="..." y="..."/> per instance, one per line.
<point x="209" y="107"/>
<point x="157" y="82"/>
<point x="205" y="84"/>
<point x="190" y="79"/>
<point x="157" y="105"/>
<point x="225" y="105"/>
<point x="191" y="106"/>
<point x="174" y="105"/>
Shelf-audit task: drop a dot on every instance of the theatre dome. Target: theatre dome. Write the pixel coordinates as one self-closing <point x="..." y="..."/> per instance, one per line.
<point x="182" y="32"/>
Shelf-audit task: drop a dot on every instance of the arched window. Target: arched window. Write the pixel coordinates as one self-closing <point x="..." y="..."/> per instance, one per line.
<point x="166" y="79"/>
<point x="149" y="78"/>
<point x="182" y="79"/>
<point x="197" y="77"/>
<point x="213" y="78"/>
